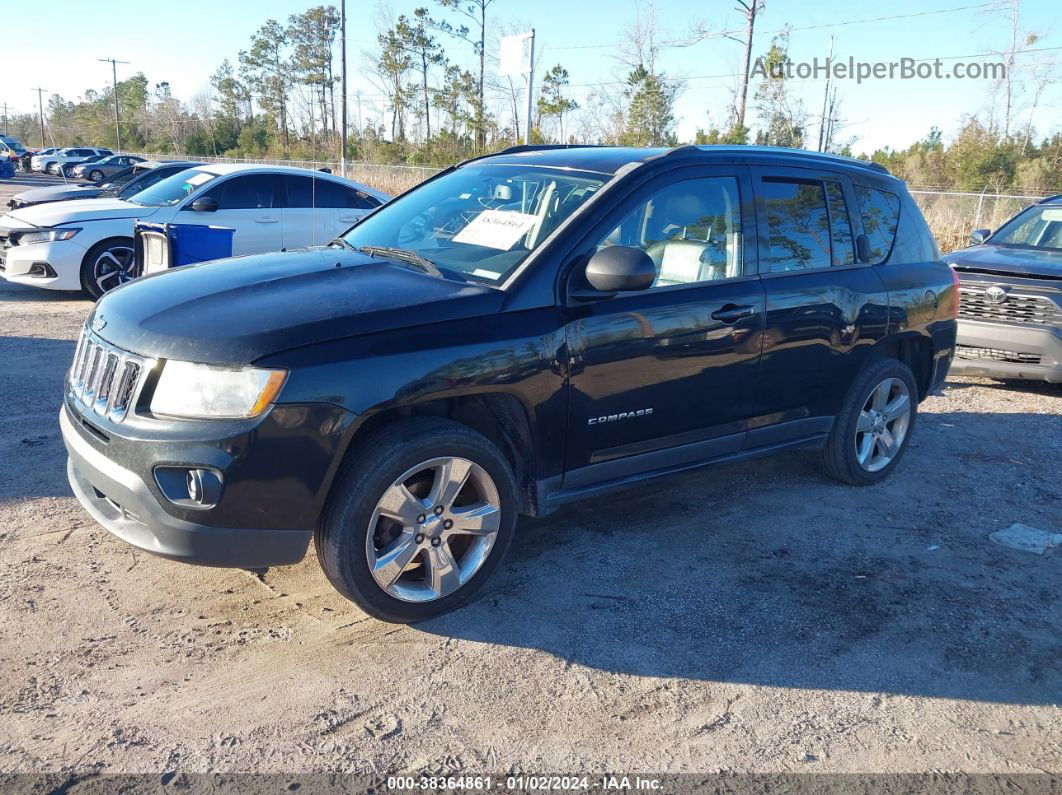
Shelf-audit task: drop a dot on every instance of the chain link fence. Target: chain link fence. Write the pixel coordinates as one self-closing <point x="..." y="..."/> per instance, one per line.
<point x="951" y="215"/>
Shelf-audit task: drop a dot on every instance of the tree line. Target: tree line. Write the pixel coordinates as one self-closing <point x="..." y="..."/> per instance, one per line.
<point x="435" y="98"/>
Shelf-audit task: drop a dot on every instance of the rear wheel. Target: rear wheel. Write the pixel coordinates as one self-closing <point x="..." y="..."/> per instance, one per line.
<point x="871" y="432"/>
<point x="418" y="520"/>
<point x="107" y="265"/>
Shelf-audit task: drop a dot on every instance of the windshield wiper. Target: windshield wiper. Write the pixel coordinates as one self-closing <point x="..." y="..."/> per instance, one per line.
<point x="405" y="255"/>
<point x="343" y="242"/>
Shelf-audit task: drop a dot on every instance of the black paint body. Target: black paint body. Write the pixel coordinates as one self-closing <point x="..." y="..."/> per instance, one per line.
<point x="368" y="341"/>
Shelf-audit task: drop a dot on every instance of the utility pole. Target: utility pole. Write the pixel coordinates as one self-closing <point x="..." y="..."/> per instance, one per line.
<point x="5" y="119"/>
<point x="749" y="9"/>
<point x="530" y="78"/>
<point x="823" y="137"/>
<point x="343" y="87"/>
<point x="40" y="110"/>
<point x="114" y="77"/>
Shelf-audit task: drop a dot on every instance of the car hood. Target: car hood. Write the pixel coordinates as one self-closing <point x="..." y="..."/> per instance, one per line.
<point x="235" y="311"/>
<point x="71" y="212"/>
<point x="1028" y="262"/>
<point x="55" y="194"/>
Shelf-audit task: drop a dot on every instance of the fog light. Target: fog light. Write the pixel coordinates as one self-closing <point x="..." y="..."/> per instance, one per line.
<point x="204" y="487"/>
<point x="189" y="487"/>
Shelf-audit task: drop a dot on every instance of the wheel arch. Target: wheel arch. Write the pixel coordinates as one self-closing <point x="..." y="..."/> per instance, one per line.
<point x="501" y="417"/>
<point x="913" y="349"/>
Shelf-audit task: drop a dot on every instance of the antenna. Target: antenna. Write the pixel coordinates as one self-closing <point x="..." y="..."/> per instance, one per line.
<point x="114" y="77"/>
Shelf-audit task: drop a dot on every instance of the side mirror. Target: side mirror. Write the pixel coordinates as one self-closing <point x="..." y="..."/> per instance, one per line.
<point x="862" y="248"/>
<point x="979" y="236"/>
<point x="205" y="204"/>
<point x="617" y="269"/>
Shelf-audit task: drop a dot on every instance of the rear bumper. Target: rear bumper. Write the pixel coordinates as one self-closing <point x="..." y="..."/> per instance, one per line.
<point x="995" y="350"/>
<point x="121" y="501"/>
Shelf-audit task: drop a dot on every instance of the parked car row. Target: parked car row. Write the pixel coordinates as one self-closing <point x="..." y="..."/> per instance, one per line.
<point x="122" y="184"/>
<point x="55" y="161"/>
<point x="87" y="244"/>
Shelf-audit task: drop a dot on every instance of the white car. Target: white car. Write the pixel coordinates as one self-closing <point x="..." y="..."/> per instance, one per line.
<point x="88" y="244"/>
<point x="51" y="163"/>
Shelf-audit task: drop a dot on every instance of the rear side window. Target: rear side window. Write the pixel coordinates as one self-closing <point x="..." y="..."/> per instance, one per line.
<point x="881" y="215"/>
<point x="798" y="225"/>
<point x="309" y="192"/>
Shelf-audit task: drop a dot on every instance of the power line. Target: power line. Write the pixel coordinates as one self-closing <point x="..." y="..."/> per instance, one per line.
<point x="725" y="33"/>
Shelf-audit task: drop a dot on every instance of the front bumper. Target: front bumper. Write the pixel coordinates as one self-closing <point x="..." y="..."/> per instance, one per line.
<point x="1000" y="350"/>
<point x="121" y="501"/>
<point x="63" y="260"/>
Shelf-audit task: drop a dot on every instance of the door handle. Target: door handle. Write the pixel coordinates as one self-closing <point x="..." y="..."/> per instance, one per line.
<point x="732" y="313"/>
<point x="266" y="220"/>
<point x="350" y="220"/>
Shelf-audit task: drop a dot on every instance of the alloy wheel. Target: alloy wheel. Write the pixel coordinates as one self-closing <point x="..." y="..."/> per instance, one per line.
<point x="113" y="268"/>
<point x="433" y="529"/>
<point x="883" y="424"/>
<point x="96" y="176"/>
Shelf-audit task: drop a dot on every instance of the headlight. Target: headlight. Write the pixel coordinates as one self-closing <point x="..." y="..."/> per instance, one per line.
<point x="198" y="390"/>
<point x="45" y="236"/>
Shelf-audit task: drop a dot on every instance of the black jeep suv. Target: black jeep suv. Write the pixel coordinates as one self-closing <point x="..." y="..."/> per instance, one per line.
<point x="522" y="330"/>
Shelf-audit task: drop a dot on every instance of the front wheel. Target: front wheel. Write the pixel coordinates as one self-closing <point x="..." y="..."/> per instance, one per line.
<point x="873" y="427"/>
<point x="418" y="520"/>
<point x="96" y="176"/>
<point x="107" y="265"/>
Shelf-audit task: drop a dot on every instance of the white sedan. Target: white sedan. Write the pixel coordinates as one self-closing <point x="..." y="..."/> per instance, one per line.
<point x="88" y="244"/>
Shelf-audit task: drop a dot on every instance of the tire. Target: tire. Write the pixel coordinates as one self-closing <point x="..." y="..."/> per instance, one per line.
<point x="121" y="251"/>
<point x="96" y="176"/>
<point x="52" y="168"/>
<point x="353" y="538"/>
<point x="873" y="427"/>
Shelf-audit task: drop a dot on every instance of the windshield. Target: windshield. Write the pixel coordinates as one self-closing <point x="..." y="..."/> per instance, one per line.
<point x="174" y="189"/>
<point x="117" y="179"/>
<point x="14" y="144"/>
<point x="1037" y="227"/>
<point x="480" y="221"/>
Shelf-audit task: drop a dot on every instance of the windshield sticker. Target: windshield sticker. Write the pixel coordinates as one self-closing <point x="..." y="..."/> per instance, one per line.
<point x="496" y="229"/>
<point x="492" y="275"/>
<point x="1052" y="215"/>
<point x="200" y="178"/>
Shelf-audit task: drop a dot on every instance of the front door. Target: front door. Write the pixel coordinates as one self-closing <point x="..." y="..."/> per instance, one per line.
<point x="668" y="375"/>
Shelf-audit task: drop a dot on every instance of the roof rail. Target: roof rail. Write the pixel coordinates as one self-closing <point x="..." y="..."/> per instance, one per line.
<point x="1047" y="199"/>
<point x="518" y="148"/>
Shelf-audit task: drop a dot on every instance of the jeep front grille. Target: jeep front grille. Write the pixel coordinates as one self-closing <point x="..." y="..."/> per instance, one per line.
<point x="104" y="379"/>
<point x="973" y="305"/>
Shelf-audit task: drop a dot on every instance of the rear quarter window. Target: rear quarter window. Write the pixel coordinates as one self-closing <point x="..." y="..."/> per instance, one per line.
<point x="880" y="211"/>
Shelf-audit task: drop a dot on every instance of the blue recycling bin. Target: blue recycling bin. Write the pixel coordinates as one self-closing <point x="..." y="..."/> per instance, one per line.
<point x="162" y="246"/>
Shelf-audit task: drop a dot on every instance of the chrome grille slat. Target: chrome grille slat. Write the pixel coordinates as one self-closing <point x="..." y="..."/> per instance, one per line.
<point x="1016" y="308"/>
<point x="105" y="379"/>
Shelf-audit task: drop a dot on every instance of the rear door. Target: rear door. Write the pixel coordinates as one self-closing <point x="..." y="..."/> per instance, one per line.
<point x="668" y="375"/>
<point x="310" y="211"/>
<point x="825" y="310"/>
<point x="248" y="204"/>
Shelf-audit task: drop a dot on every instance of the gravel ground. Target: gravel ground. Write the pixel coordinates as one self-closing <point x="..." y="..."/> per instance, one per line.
<point x="756" y="617"/>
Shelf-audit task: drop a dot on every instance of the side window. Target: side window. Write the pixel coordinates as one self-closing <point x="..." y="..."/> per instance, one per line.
<point x="359" y="200"/>
<point x="300" y="191"/>
<point x="840" y="226"/>
<point x="798" y="231"/>
<point x="251" y="192"/>
<point x="691" y="230"/>
<point x="880" y="211"/>
<point x="329" y="194"/>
